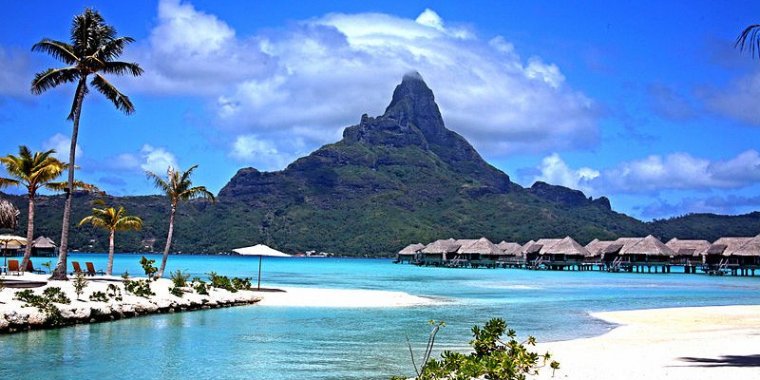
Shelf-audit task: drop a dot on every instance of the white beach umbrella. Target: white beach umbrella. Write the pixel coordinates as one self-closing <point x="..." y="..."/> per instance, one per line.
<point x="260" y="250"/>
<point x="12" y="240"/>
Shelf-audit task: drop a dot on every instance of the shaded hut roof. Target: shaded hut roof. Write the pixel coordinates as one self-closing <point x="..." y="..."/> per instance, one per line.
<point x="8" y="215"/>
<point x="650" y="246"/>
<point x="442" y="246"/>
<point x="622" y="244"/>
<point x="597" y="247"/>
<point x="688" y="247"/>
<point x="566" y="246"/>
<point x="43" y="242"/>
<point x="750" y="248"/>
<point x="411" y="249"/>
<point x="481" y="246"/>
<point x="509" y="248"/>
<point x="541" y="245"/>
<point x="727" y="245"/>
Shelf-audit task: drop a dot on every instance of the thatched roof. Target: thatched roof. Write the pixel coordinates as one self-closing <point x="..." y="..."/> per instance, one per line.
<point x="650" y="246"/>
<point x="597" y="247"/>
<point x="481" y="246"/>
<point x="566" y="246"/>
<point x="727" y="245"/>
<point x="411" y="249"/>
<point x="751" y="247"/>
<point x="688" y="247"/>
<point x="509" y="248"/>
<point x="541" y="245"/>
<point x="442" y="246"/>
<point x="8" y="215"/>
<point x="43" y="242"/>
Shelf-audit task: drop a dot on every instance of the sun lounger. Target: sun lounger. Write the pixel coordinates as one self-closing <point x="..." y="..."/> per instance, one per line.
<point x="77" y="268"/>
<point x="13" y="267"/>
<point x="30" y="268"/>
<point x="91" y="269"/>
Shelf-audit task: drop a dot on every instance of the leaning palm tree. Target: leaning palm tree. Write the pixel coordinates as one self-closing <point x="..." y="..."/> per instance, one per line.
<point x="749" y="40"/>
<point x="112" y="220"/>
<point x="93" y="49"/>
<point x="177" y="187"/>
<point x="34" y="171"/>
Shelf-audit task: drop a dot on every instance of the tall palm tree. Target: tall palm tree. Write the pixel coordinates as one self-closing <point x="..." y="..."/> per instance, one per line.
<point x="177" y="187"/>
<point x="93" y="49"/>
<point x="750" y="40"/>
<point x="112" y="220"/>
<point x="33" y="171"/>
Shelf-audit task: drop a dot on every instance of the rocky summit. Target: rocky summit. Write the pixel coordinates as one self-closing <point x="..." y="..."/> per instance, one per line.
<point x="394" y="179"/>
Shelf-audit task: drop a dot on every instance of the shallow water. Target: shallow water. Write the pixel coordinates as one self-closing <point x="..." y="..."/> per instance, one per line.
<point x="259" y="342"/>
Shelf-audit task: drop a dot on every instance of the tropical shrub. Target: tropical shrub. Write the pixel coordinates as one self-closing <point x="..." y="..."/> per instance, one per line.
<point x="98" y="297"/>
<point x="45" y="303"/>
<point x="140" y="288"/>
<point x="55" y="294"/>
<point x="148" y="267"/>
<point x="114" y="291"/>
<point x="492" y="358"/>
<point x="179" y="278"/>
<point x="200" y="286"/>
<point x="79" y="284"/>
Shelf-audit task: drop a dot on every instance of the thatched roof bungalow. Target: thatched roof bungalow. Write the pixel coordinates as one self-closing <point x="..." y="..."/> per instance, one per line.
<point x="596" y="248"/>
<point x="440" y="251"/>
<point x="409" y="253"/>
<point x="738" y="250"/>
<point x="646" y="250"/>
<point x="535" y="250"/>
<point x="509" y="248"/>
<point x="688" y="251"/>
<point x="566" y="250"/>
<point x="480" y="252"/>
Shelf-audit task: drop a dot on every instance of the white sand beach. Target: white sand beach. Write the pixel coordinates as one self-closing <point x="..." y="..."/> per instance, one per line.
<point x="322" y="297"/>
<point x="681" y="343"/>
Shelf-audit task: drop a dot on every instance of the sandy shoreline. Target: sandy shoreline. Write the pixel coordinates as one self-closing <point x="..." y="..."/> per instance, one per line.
<point x="721" y="342"/>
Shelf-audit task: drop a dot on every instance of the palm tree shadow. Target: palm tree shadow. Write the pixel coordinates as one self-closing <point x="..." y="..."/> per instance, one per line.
<point x="725" y="361"/>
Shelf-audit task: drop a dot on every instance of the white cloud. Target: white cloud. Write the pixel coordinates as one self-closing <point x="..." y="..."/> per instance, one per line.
<point x="312" y="78"/>
<point x="250" y="149"/>
<point x="655" y="173"/>
<point x="157" y="160"/>
<point x="62" y="146"/>
<point x="556" y="172"/>
<point x="717" y="204"/>
<point x="738" y="100"/>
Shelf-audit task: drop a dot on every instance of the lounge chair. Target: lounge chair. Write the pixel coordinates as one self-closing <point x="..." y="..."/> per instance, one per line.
<point x="91" y="269"/>
<point x="13" y="267"/>
<point x="30" y="268"/>
<point x="77" y="268"/>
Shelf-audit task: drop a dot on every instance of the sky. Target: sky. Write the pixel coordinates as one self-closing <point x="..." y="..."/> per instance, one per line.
<point x="645" y="102"/>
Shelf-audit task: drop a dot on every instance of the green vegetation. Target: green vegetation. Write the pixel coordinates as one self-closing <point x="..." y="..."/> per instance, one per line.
<point x="92" y="52"/>
<point x="98" y="296"/>
<point x="177" y="187"/>
<point x="492" y="357"/>
<point x="112" y="220"/>
<point x="200" y="286"/>
<point x="45" y="303"/>
<point x="114" y="292"/>
<point x="140" y="288"/>
<point x="179" y="279"/>
<point x="79" y="284"/>
<point x="233" y="285"/>
<point x="147" y="266"/>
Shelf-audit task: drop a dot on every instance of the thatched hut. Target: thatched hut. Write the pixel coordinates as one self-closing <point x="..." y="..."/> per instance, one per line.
<point x="734" y="252"/>
<point x="8" y="215"/>
<point x="439" y="251"/>
<point x="533" y="253"/>
<point x="481" y="252"/>
<point x="511" y="255"/>
<point x="409" y="253"/>
<point x="688" y="252"/>
<point x="649" y="252"/>
<point x="612" y="255"/>
<point x="596" y="249"/>
<point x="563" y="253"/>
<point x="43" y="246"/>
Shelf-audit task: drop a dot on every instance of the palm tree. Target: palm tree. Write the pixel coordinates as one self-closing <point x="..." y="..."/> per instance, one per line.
<point x="8" y="215"/>
<point x="33" y="171"/>
<point x="178" y="187"/>
<point x="112" y="220"/>
<point x="92" y="51"/>
<point x="750" y="40"/>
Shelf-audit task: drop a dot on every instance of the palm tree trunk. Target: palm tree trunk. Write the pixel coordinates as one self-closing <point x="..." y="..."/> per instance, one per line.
<point x="109" y="268"/>
<point x="29" y="233"/>
<point x="60" y="269"/>
<point x="168" y="242"/>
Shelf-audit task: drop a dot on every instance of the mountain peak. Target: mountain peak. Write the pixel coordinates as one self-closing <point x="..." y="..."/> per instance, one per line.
<point x="413" y="101"/>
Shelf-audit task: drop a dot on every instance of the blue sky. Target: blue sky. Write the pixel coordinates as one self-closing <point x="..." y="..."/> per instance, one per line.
<point x="645" y="102"/>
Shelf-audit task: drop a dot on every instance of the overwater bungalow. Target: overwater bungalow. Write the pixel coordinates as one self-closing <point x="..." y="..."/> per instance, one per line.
<point x="689" y="253"/>
<point x="510" y="256"/>
<point x="596" y="250"/>
<point x="738" y="255"/>
<point x="611" y="257"/>
<point x="533" y="253"/>
<point x="409" y="253"/>
<point x="564" y="253"/>
<point x="481" y="252"/>
<point x="649" y="253"/>
<point x="44" y="246"/>
<point x="439" y="252"/>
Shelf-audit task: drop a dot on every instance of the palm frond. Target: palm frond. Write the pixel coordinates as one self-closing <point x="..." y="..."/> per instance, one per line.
<point x="121" y="68"/>
<point x="52" y="78"/>
<point x="159" y="182"/>
<point x="749" y="40"/>
<point x="118" y="99"/>
<point x="58" y="50"/>
<point x="4" y="182"/>
<point x="198" y="192"/>
<point x="112" y="49"/>
<point x="129" y="223"/>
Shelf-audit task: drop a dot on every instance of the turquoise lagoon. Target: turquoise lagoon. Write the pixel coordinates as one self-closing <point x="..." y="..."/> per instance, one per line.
<point x="258" y="342"/>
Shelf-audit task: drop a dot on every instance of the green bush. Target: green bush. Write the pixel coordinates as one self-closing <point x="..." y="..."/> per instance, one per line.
<point x="44" y="303"/>
<point x="98" y="297"/>
<point x="232" y="285"/>
<point x="55" y="294"/>
<point x="148" y="267"/>
<point x="114" y="292"/>
<point x="179" y="278"/>
<point x="200" y="286"/>
<point x="176" y="291"/>
<point x="79" y="284"/>
<point x="493" y="358"/>
<point x="241" y="283"/>
<point x="140" y="288"/>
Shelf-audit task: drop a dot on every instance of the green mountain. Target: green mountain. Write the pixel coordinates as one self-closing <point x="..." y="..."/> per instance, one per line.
<point x="394" y="179"/>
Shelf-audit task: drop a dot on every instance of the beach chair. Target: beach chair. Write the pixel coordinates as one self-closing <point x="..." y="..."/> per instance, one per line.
<point x="30" y="268"/>
<point x="77" y="267"/>
<point x="14" y="268"/>
<point x="91" y="269"/>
